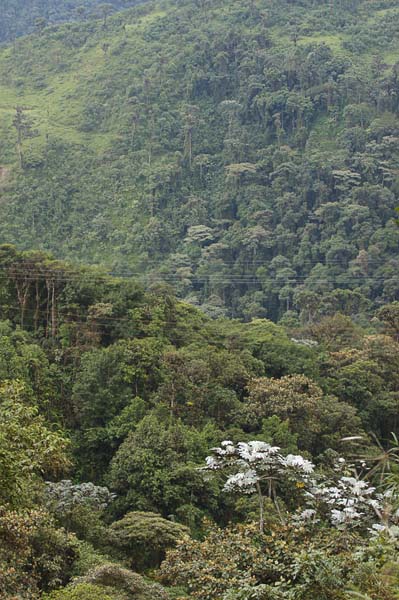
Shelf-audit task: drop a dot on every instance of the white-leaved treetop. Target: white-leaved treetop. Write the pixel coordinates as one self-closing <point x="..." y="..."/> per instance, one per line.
<point x="350" y="502"/>
<point x="258" y="468"/>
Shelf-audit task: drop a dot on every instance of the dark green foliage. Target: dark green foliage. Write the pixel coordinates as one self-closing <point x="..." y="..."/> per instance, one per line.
<point x="144" y="537"/>
<point x="289" y="564"/>
<point x="155" y="469"/>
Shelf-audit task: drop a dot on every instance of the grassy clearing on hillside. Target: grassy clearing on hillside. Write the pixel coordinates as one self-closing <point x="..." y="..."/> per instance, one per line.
<point x="56" y="109"/>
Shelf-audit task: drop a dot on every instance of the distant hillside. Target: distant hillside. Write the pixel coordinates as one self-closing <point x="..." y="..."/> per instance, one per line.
<point x="19" y="17"/>
<point x="245" y="152"/>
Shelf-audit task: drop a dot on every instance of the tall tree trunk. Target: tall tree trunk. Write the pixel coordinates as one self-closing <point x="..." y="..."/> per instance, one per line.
<point x="261" y="508"/>
<point x="19" y="149"/>
<point x="22" y="294"/>
<point x="53" y="312"/>
<point x="37" y="308"/>
<point x="47" y="308"/>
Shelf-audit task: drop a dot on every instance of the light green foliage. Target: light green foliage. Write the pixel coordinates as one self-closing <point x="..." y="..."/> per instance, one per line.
<point x="259" y="592"/>
<point x="20" y="18"/>
<point x="335" y="332"/>
<point x="203" y="381"/>
<point x="389" y="316"/>
<point x="124" y="583"/>
<point x="88" y="559"/>
<point x="360" y="377"/>
<point x="289" y="563"/>
<point x="224" y="559"/>
<point x="34" y="555"/>
<point x="272" y="347"/>
<point x="278" y="433"/>
<point x="128" y="418"/>
<point x="83" y="591"/>
<point x="28" y="447"/>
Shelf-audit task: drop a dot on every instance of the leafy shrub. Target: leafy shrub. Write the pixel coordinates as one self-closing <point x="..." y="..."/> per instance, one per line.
<point x="125" y="582"/>
<point x="144" y="537"/>
<point x="83" y="591"/>
<point x="88" y="559"/>
<point x="34" y="554"/>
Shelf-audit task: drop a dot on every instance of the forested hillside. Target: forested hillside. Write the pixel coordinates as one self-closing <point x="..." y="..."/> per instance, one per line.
<point x="20" y="17"/>
<point x="112" y="397"/>
<point x="199" y="300"/>
<point x="246" y="153"/>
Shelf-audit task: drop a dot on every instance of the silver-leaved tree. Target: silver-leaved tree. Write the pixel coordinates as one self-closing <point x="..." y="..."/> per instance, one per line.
<point x="258" y="468"/>
<point x="344" y="501"/>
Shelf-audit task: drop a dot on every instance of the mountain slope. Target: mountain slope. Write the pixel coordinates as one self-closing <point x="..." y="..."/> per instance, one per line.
<point x="20" y="17"/>
<point x="247" y="154"/>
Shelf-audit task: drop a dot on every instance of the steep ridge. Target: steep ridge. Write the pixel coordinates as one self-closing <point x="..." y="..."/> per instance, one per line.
<point x="245" y="153"/>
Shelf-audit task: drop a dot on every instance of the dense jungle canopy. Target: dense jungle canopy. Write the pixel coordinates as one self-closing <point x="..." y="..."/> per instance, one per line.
<point x="199" y="310"/>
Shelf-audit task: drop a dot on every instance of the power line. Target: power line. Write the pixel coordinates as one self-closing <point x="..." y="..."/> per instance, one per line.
<point x="212" y="280"/>
<point x="54" y="275"/>
<point x="80" y="319"/>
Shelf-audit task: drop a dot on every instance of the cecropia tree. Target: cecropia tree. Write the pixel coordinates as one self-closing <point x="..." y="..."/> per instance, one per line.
<point x="258" y="468"/>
